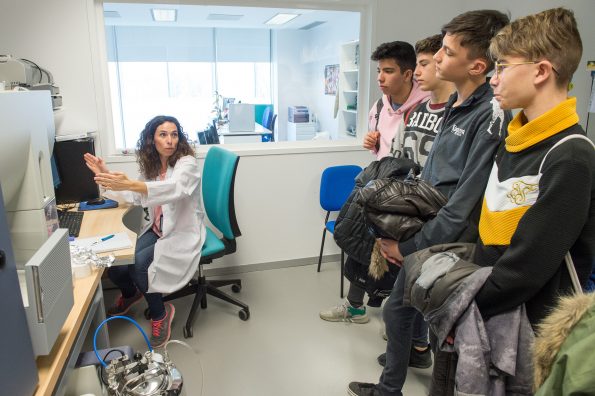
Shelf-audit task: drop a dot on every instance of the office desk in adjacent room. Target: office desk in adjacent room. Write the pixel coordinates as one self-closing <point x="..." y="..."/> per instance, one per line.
<point x="225" y="136"/>
<point x="88" y="310"/>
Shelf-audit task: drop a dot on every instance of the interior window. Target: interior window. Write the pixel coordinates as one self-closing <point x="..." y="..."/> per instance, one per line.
<point x="185" y="67"/>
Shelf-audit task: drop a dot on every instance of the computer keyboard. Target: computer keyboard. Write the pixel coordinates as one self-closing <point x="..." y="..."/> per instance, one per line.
<point x="72" y="221"/>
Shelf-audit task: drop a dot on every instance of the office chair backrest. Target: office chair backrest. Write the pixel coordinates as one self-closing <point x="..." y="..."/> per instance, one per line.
<point x="202" y="137"/>
<point x="211" y="135"/>
<point x="272" y="126"/>
<point x="218" y="180"/>
<point x="267" y="116"/>
<point x="336" y="184"/>
<point x="133" y="219"/>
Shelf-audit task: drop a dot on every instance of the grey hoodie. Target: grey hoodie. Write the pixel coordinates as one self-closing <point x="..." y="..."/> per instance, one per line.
<point x="459" y="166"/>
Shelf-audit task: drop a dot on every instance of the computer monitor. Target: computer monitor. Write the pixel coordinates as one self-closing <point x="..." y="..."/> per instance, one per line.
<point x="241" y="117"/>
<point x="77" y="183"/>
<point x="55" y="173"/>
<point x="227" y="102"/>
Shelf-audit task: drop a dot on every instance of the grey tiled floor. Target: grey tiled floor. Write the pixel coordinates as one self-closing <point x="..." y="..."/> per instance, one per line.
<point x="284" y="349"/>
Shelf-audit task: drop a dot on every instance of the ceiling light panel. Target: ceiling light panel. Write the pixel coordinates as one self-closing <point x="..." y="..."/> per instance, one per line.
<point x="281" y="19"/>
<point x="111" y="14"/>
<point x="224" y="17"/>
<point x="164" y="15"/>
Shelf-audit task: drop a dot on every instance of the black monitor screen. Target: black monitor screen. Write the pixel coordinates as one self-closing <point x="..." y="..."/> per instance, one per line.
<point x="77" y="182"/>
<point x="55" y="173"/>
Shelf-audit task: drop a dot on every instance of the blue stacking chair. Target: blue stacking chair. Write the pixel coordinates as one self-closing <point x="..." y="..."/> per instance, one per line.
<point x="336" y="184"/>
<point x="218" y="178"/>
<point x="267" y="117"/>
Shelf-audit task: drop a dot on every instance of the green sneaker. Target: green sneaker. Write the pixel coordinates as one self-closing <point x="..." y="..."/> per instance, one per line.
<point x="345" y="313"/>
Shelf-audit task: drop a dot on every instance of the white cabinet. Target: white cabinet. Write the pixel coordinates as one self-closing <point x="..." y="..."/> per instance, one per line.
<point x="301" y="130"/>
<point x="348" y="85"/>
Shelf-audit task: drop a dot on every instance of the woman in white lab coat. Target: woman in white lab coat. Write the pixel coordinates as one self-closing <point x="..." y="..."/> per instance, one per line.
<point x="168" y="248"/>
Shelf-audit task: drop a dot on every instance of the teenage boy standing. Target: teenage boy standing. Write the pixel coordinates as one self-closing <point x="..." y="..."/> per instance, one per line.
<point x="423" y="122"/>
<point x="396" y="61"/>
<point x="421" y="126"/>
<point x="540" y="199"/>
<point x="458" y="165"/>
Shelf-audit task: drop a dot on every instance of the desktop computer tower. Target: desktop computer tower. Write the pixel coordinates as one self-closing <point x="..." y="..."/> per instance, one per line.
<point x="76" y="181"/>
<point x="18" y="372"/>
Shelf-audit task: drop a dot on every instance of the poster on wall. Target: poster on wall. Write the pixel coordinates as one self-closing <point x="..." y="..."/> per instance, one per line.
<point x="331" y="79"/>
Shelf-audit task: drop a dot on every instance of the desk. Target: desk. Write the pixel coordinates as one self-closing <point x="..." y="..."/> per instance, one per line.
<point x="88" y="310"/>
<point x="225" y="136"/>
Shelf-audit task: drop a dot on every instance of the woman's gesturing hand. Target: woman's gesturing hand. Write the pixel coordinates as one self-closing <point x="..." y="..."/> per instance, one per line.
<point x="118" y="181"/>
<point x="115" y="181"/>
<point x="96" y="164"/>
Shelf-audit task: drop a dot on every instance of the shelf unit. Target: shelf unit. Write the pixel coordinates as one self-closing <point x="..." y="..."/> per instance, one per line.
<point x="348" y="90"/>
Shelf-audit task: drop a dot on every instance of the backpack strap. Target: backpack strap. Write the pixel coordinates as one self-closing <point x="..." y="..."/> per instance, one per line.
<point x="379" y="106"/>
<point x="559" y="142"/>
<point x="406" y="118"/>
<point x="567" y="257"/>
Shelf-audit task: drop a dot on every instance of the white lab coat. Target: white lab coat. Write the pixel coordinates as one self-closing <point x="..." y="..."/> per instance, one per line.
<point x="177" y="252"/>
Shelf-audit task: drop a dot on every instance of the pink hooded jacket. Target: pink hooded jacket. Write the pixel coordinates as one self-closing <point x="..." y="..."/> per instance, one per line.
<point x="389" y="120"/>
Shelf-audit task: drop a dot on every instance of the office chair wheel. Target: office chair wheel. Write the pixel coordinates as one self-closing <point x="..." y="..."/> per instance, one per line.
<point x="236" y="288"/>
<point x="147" y="314"/>
<point x="187" y="332"/>
<point x="244" y="314"/>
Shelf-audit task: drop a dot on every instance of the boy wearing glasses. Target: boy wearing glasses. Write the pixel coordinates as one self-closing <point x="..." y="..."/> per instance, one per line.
<point x="458" y="165"/>
<point x="539" y="202"/>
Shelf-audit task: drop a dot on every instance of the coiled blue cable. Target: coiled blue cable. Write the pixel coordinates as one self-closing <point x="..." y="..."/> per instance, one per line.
<point x="107" y="320"/>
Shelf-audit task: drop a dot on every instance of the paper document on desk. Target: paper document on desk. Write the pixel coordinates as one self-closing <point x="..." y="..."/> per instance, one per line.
<point x="97" y="245"/>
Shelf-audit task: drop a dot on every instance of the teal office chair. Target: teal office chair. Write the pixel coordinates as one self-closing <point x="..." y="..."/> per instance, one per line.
<point x="218" y="178"/>
<point x="336" y="184"/>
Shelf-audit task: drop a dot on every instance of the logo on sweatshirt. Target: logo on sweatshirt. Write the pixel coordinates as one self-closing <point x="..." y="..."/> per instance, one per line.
<point x="458" y="131"/>
<point x="520" y="191"/>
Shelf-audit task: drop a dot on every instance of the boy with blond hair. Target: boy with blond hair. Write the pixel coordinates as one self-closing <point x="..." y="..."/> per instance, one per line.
<point x="539" y="201"/>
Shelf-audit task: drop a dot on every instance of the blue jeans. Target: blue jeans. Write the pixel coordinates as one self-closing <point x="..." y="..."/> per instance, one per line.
<point x="130" y="277"/>
<point x="405" y="327"/>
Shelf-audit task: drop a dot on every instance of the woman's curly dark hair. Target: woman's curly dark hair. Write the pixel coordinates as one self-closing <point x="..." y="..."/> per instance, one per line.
<point x="146" y="153"/>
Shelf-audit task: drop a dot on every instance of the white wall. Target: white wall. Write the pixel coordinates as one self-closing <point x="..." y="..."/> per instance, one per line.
<point x="325" y="41"/>
<point x="301" y="58"/>
<point x="292" y="76"/>
<point x="276" y="195"/>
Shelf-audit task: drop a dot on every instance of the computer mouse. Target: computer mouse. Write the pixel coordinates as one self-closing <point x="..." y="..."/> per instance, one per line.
<point x="96" y="201"/>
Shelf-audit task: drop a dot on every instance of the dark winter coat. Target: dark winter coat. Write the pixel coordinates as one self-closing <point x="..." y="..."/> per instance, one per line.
<point x="397" y="209"/>
<point x="351" y="232"/>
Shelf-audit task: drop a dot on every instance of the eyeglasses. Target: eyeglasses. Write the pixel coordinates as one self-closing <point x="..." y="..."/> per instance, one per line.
<point x="499" y="67"/>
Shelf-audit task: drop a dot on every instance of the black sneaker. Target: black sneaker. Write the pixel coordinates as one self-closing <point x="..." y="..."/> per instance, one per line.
<point x="417" y="359"/>
<point x="420" y="359"/>
<point x="363" y="389"/>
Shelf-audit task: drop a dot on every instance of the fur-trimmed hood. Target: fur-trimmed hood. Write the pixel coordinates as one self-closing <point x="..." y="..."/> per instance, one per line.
<point x="554" y="330"/>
